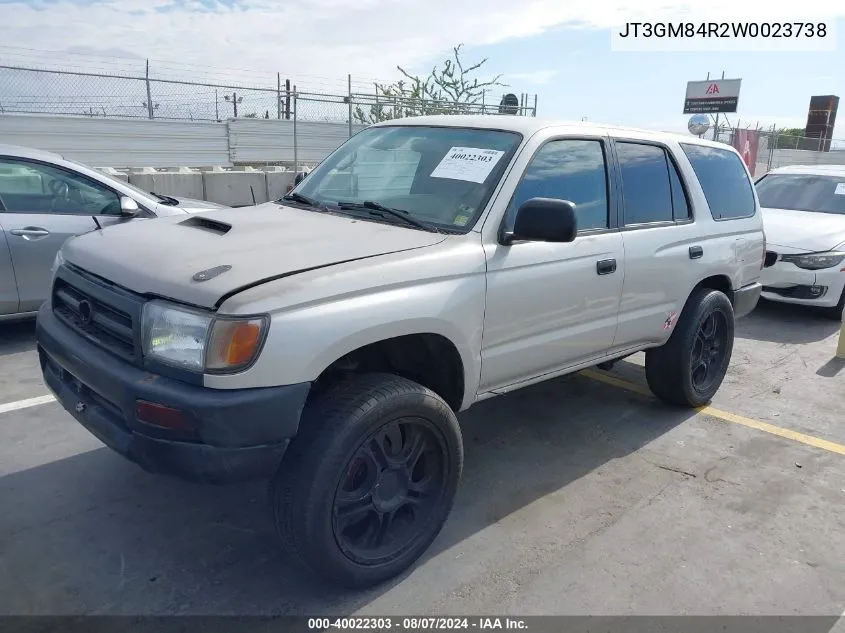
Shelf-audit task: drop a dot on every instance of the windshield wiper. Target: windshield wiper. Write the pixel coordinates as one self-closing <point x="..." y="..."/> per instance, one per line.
<point x="166" y="200"/>
<point x="377" y="209"/>
<point x="310" y="202"/>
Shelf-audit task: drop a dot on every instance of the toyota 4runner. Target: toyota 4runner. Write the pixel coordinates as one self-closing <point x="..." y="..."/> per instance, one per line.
<point x="326" y="341"/>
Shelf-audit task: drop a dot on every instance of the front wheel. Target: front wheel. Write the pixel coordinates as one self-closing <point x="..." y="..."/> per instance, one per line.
<point x="369" y="480"/>
<point x="690" y="367"/>
<point x="835" y="312"/>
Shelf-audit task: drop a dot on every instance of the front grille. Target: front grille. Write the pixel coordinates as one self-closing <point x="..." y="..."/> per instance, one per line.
<point x="771" y="258"/>
<point x="94" y="318"/>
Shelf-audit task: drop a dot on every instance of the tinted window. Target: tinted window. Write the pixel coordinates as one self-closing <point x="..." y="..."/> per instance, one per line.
<point x="680" y="204"/>
<point x="645" y="183"/>
<point x="803" y="192"/>
<point x="571" y="170"/>
<point x="724" y="180"/>
<point x="27" y="187"/>
<point x="441" y="175"/>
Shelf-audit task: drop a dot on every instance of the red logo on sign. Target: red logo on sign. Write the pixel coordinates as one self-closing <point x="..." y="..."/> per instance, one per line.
<point x="713" y="89"/>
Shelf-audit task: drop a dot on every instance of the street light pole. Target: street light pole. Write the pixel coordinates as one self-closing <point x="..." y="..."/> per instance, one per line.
<point x="234" y="99"/>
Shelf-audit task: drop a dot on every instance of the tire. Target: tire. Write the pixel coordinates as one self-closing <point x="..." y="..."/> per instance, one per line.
<point x="336" y="450"/>
<point x="835" y="313"/>
<point x="669" y="368"/>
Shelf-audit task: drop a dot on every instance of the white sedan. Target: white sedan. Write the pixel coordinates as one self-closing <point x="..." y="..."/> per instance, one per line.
<point x="804" y="219"/>
<point x="45" y="199"/>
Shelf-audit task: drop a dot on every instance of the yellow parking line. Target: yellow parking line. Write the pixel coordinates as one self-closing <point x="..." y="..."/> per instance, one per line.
<point x="795" y="436"/>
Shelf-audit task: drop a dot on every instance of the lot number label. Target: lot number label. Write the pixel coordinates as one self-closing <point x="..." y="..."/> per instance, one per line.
<point x="467" y="163"/>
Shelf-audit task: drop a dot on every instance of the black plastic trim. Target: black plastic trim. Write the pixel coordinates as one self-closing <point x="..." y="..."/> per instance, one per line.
<point x="745" y="299"/>
<point x="240" y="434"/>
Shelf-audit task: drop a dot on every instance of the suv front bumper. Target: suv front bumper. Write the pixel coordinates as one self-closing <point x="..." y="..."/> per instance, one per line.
<point x="233" y="435"/>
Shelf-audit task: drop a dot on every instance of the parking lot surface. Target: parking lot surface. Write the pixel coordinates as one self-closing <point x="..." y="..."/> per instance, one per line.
<point x="582" y="495"/>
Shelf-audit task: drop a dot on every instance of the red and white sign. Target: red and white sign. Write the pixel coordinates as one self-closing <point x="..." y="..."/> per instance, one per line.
<point x="747" y="142"/>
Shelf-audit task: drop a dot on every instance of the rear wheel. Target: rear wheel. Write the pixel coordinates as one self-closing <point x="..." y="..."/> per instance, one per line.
<point x="690" y="367"/>
<point x="370" y="479"/>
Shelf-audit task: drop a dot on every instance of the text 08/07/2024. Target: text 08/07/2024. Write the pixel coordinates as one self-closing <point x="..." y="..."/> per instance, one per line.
<point x="416" y="623"/>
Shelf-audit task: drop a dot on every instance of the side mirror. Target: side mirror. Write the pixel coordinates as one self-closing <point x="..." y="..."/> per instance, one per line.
<point x="128" y="207"/>
<point x="543" y="220"/>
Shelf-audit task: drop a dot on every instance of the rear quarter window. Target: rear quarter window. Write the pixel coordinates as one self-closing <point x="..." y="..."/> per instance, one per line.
<point x="727" y="187"/>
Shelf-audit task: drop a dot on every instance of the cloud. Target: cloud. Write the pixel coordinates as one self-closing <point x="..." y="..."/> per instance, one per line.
<point x="101" y="52"/>
<point x="536" y="77"/>
<point x="311" y="39"/>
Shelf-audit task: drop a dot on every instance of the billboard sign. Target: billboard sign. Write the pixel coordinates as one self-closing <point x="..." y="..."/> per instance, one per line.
<point x="712" y="96"/>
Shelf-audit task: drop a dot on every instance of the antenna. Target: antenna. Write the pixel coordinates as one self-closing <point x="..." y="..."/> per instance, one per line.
<point x="97" y="222"/>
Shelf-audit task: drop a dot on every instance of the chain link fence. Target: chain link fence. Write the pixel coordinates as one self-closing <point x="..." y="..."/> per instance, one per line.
<point x="76" y="93"/>
<point x="776" y="149"/>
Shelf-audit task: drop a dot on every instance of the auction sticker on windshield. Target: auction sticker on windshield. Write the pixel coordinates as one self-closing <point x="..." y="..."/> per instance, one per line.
<point x="467" y="163"/>
<point x="840" y="189"/>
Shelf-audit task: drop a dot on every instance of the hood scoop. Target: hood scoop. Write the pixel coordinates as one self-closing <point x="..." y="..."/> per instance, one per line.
<point x="207" y="224"/>
<point x="211" y="273"/>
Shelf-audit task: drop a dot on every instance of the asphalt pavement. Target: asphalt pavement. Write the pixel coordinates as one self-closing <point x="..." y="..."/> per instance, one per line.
<point x="582" y="495"/>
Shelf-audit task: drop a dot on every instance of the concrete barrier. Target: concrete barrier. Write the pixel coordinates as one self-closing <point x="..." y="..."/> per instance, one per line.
<point x="181" y="182"/>
<point x="114" y="173"/>
<point x="278" y="180"/>
<point x="240" y="188"/>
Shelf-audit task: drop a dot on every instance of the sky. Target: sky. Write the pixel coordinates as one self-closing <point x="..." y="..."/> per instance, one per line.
<point x="559" y="50"/>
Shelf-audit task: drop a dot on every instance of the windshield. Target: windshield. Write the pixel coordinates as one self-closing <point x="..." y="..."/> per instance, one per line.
<point x="803" y="192"/>
<point x="439" y="176"/>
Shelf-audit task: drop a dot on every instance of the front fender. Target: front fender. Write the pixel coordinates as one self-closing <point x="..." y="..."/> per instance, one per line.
<point x="304" y="341"/>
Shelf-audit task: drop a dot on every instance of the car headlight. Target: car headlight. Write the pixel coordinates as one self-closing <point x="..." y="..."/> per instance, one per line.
<point x="815" y="261"/>
<point x="200" y="341"/>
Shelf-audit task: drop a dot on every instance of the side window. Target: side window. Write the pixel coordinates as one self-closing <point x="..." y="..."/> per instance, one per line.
<point x="680" y="204"/>
<point x="568" y="169"/>
<point x="646" y="189"/>
<point x="723" y="178"/>
<point x="27" y="187"/>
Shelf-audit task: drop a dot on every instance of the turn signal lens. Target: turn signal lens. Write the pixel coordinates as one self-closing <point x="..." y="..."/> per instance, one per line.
<point x="234" y="344"/>
<point x="163" y="417"/>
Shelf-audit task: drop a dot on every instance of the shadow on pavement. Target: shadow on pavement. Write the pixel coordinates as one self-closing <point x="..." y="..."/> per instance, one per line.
<point x="831" y="368"/>
<point x="785" y="323"/>
<point x="16" y="337"/>
<point x="94" y="534"/>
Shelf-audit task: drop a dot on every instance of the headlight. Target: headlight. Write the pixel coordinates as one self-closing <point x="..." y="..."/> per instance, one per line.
<point x="200" y="341"/>
<point x="815" y="261"/>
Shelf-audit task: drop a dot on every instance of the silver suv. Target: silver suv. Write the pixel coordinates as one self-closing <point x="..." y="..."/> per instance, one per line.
<point x="327" y="341"/>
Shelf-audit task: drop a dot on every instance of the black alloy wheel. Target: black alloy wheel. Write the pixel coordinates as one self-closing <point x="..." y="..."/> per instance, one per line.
<point x="708" y="352"/>
<point x="386" y="496"/>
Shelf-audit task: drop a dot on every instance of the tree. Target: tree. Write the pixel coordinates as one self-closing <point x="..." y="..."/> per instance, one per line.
<point x="449" y="89"/>
<point x="788" y="137"/>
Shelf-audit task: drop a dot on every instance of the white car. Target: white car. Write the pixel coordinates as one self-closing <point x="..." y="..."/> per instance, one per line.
<point x="804" y="218"/>
<point x="45" y="199"/>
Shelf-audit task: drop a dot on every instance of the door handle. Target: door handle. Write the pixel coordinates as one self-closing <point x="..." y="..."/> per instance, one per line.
<point x="30" y="232"/>
<point x="695" y="252"/>
<point x="606" y="266"/>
